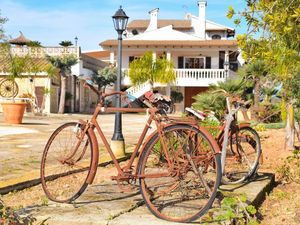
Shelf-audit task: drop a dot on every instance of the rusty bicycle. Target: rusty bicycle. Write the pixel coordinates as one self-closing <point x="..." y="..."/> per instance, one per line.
<point x="239" y="143"/>
<point x="178" y="166"/>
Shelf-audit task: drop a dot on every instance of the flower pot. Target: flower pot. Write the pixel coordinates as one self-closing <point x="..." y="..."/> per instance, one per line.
<point x="13" y="112"/>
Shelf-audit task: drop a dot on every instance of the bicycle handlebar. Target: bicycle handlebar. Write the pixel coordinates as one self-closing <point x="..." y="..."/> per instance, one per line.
<point x="101" y="94"/>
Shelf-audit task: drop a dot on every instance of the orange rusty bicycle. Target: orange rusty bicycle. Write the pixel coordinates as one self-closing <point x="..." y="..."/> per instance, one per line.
<point x="178" y="166"/>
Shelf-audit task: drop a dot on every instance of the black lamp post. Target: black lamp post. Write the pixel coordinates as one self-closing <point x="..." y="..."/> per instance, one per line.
<point x="120" y="20"/>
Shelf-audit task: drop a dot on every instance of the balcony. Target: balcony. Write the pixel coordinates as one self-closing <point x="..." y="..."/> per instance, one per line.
<point x="194" y="77"/>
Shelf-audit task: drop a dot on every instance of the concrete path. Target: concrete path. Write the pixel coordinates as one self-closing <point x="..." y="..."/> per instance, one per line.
<point x="104" y="204"/>
<point x="21" y="146"/>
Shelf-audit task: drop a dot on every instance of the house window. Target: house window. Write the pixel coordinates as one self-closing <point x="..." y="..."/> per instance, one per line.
<point x="194" y="63"/>
<point x="216" y="36"/>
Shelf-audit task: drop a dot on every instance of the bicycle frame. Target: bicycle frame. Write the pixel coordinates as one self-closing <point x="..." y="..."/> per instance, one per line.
<point x="126" y="172"/>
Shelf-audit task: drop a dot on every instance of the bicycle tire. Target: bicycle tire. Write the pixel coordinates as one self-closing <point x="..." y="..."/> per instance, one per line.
<point x="242" y="160"/>
<point x="176" y="196"/>
<point x="64" y="169"/>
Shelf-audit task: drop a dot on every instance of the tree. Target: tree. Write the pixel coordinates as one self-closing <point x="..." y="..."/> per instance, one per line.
<point x="35" y="44"/>
<point x="276" y="23"/>
<point x="215" y="98"/>
<point x="254" y="72"/>
<point x="145" y="69"/>
<point x="3" y="20"/>
<point x="63" y="64"/>
<point x="52" y="72"/>
<point x="66" y="43"/>
<point x="105" y="77"/>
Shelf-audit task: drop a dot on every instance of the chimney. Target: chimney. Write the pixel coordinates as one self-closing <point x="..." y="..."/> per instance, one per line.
<point x="202" y="8"/>
<point x="153" y="20"/>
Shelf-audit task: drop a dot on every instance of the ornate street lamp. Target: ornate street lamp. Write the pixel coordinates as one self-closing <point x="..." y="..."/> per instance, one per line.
<point x="120" y="20"/>
<point x="76" y="41"/>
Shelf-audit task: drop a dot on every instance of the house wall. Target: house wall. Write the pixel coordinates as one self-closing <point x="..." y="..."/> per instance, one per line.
<point x="175" y="53"/>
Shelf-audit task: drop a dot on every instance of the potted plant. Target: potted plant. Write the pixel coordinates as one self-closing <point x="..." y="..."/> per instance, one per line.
<point x="177" y="98"/>
<point x="13" y="110"/>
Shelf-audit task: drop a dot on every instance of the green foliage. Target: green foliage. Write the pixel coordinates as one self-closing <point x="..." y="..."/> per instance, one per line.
<point x="8" y="216"/>
<point x="105" y="77"/>
<point x="17" y="66"/>
<point x="63" y="63"/>
<point x="215" y="99"/>
<point x="65" y="43"/>
<point x="34" y="44"/>
<point x="145" y="69"/>
<point x="212" y="126"/>
<point x="293" y="91"/>
<point x="273" y="35"/>
<point x="3" y="20"/>
<point x="234" y="210"/>
<point x="176" y="96"/>
<point x="260" y="127"/>
<point x="290" y="170"/>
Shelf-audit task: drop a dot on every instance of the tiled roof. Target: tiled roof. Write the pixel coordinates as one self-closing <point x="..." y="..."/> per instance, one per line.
<point x="97" y="54"/>
<point x="202" y="43"/>
<point x="177" y="24"/>
<point x="41" y="63"/>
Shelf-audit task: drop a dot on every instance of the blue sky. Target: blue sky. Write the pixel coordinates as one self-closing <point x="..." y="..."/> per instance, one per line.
<point x="51" y="21"/>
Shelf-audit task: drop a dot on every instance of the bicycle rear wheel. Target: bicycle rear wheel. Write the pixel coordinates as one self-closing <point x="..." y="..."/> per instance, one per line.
<point x="66" y="163"/>
<point x="179" y="173"/>
<point x="242" y="159"/>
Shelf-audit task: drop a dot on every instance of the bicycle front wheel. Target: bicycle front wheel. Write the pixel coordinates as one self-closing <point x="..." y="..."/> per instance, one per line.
<point x="242" y="159"/>
<point x="66" y="163"/>
<point x="179" y="173"/>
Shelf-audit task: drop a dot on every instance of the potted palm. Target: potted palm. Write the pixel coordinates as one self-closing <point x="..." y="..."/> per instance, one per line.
<point x="177" y="98"/>
<point x="13" y="110"/>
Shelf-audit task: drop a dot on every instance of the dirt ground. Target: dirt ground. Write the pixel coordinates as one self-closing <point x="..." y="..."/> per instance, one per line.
<point x="282" y="205"/>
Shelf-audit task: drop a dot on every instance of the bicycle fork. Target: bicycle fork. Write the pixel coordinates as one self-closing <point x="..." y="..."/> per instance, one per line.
<point x="228" y="119"/>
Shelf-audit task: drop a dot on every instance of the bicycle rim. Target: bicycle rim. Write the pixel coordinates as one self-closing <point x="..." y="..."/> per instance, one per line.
<point x="242" y="158"/>
<point x="66" y="163"/>
<point x="170" y="184"/>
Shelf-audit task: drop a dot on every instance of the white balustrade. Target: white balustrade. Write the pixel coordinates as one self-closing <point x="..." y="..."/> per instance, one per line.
<point x="194" y="77"/>
<point x="40" y="52"/>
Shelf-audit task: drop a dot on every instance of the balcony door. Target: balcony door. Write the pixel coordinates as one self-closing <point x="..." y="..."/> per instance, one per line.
<point x="194" y="62"/>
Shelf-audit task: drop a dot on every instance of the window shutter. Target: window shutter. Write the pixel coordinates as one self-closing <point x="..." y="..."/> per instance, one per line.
<point x="208" y="63"/>
<point x="180" y="62"/>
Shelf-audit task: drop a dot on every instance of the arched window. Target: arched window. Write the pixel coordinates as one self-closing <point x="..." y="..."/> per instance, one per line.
<point x="216" y="36"/>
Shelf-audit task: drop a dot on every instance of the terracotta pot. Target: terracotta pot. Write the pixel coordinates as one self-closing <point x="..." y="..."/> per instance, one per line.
<point x="13" y="111"/>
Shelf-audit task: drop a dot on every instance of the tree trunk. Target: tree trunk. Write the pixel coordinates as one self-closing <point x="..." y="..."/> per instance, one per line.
<point x="290" y="128"/>
<point x="63" y="85"/>
<point x="256" y="92"/>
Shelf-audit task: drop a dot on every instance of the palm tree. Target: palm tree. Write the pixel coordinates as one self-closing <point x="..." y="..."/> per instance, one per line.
<point x="254" y="72"/>
<point x="215" y="98"/>
<point x="66" y="43"/>
<point x="64" y="64"/>
<point x="146" y="69"/>
<point x="105" y="77"/>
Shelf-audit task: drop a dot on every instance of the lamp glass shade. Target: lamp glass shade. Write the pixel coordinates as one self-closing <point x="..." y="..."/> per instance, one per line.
<point x="120" y="20"/>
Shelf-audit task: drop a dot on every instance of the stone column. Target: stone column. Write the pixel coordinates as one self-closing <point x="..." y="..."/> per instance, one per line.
<point x="112" y="58"/>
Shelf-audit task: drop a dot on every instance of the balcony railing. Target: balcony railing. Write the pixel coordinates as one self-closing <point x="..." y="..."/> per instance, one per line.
<point x="194" y="77"/>
<point x="40" y="52"/>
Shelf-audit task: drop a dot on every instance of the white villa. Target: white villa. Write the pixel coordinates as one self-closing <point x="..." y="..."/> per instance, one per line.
<point x="79" y="98"/>
<point x="201" y="50"/>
